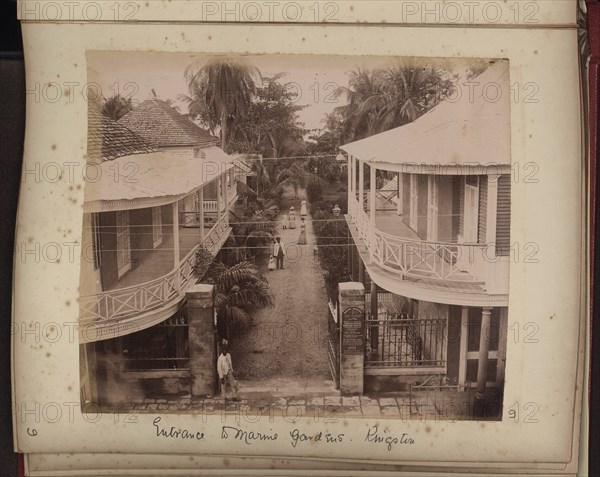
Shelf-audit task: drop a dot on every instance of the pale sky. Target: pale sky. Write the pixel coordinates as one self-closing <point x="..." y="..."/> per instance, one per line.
<point x="313" y="77"/>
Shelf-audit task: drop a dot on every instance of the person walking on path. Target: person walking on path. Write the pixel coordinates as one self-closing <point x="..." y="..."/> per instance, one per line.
<point x="303" y="211"/>
<point x="272" y="263"/>
<point x="302" y="236"/>
<point x="225" y="372"/>
<point x="292" y="223"/>
<point x="285" y="221"/>
<point x="279" y="253"/>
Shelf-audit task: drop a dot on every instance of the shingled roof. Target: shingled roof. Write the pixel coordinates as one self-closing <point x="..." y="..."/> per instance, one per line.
<point x="155" y="120"/>
<point x="108" y="140"/>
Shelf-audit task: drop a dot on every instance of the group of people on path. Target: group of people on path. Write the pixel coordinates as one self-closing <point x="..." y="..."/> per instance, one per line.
<point x="288" y="221"/>
<point x="224" y="364"/>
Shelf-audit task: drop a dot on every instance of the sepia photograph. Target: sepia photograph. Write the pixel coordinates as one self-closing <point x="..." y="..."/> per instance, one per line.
<point x="306" y="234"/>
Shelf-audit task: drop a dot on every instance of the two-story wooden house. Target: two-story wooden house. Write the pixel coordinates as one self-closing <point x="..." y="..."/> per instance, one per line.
<point x="149" y="206"/>
<point x="429" y="214"/>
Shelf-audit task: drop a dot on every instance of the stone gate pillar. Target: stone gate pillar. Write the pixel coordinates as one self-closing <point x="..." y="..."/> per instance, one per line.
<point x="202" y="339"/>
<point x="352" y="337"/>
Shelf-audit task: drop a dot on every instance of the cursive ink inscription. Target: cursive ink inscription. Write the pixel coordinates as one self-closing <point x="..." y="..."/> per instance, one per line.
<point x="298" y="436"/>
<point x="390" y="441"/>
<point x="174" y="433"/>
<point x="245" y="436"/>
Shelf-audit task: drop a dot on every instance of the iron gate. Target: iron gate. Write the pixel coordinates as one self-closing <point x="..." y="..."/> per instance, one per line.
<point x="400" y="340"/>
<point x="333" y="342"/>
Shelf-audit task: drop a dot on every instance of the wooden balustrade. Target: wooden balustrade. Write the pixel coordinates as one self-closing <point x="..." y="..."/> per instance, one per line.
<point x="414" y="258"/>
<point x="124" y="303"/>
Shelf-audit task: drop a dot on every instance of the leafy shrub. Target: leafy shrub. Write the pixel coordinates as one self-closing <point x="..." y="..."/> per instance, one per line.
<point x="332" y="241"/>
<point x="314" y="192"/>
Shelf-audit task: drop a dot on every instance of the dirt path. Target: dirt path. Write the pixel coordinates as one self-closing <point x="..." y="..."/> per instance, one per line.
<point x="290" y="339"/>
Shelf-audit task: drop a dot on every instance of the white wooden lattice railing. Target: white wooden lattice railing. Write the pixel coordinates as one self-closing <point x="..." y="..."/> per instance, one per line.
<point x="124" y="303"/>
<point x="421" y="259"/>
<point x="210" y="206"/>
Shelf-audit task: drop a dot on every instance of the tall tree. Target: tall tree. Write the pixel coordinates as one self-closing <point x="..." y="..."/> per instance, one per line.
<point x="116" y="107"/>
<point x="293" y="174"/>
<point x="392" y="96"/>
<point x="271" y="127"/>
<point x="221" y="90"/>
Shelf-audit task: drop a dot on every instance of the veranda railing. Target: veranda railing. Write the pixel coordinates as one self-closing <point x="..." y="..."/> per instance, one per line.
<point x="416" y="258"/>
<point x="124" y="303"/>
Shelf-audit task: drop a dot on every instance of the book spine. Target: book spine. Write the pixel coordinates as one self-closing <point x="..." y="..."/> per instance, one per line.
<point x="593" y="30"/>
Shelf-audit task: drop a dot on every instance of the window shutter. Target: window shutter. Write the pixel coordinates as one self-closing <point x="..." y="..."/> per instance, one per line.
<point x="503" y="216"/>
<point x="483" y="194"/>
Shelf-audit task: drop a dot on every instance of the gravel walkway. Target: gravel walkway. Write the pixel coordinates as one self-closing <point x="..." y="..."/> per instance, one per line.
<point x="289" y="340"/>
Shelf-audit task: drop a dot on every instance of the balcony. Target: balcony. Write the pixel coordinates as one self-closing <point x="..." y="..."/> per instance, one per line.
<point x="210" y="206"/>
<point x="138" y="301"/>
<point x="401" y="262"/>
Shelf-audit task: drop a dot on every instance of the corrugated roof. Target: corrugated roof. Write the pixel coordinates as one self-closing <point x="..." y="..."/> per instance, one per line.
<point x="108" y="140"/>
<point x="157" y="121"/>
<point x="473" y="129"/>
<point x="158" y="174"/>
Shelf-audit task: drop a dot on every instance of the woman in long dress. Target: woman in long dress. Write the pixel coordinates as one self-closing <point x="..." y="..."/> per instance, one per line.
<point x="292" y="218"/>
<point x="302" y="237"/>
<point x="303" y="211"/>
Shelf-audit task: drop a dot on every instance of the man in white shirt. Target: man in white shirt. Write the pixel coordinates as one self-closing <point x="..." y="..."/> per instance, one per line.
<point x="225" y="372"/>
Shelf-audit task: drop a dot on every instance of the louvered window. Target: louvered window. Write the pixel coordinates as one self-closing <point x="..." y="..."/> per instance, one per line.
<point x="503" y="216"/>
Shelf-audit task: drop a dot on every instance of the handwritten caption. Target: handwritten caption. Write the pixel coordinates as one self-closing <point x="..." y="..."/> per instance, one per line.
<point x="296" y="437"/>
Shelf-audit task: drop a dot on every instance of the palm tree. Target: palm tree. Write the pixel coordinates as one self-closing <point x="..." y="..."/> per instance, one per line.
<point x="332" y="121"/>
<point x="294" y="174"/>
<point x="254" y="232"/>
<point x="116" y="107"/>
<point x="389" y="97"/>
<point x="408" y="90"/>
<point x="263" y="180"/>
<point x="239" y="290"/>
<point x="362" y="85"/>
<point x="220" y="93"/>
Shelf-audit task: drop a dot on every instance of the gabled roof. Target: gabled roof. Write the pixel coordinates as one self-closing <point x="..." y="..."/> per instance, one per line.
<point x="108" y="140"/>
<point x="471" y="130"/>
<point x="157" y="121"/>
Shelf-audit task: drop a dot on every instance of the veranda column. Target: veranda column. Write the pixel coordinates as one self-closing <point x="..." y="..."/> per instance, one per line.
<point x="464" y="337"/>
<point x="484" y="348"/>
<point x="202" y="339"/>
<point x="352" y="337"/>
<point x="349" y="179"/>
<point x="373" y="195"/>
<point x="432" y="208"/>
<point x="201" y="213"/>
<point x="375" y="325"/>
<point x="226" y="195"/>
<point x="219" y="184"/>
<point x="353" y="177"/>
<point x="176" y="243"/>
<point x="400" y="203"/>
<point x="361" y="186"/>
